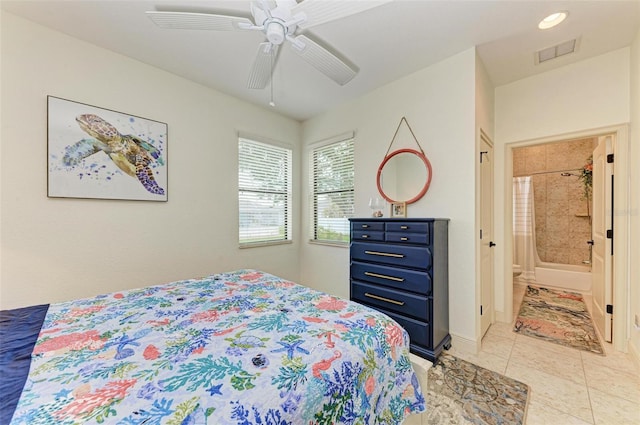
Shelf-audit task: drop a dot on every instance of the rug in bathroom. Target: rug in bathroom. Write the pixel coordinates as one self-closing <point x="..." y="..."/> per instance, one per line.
<point x="559" y="317"/>
<point x="459" y="392"/>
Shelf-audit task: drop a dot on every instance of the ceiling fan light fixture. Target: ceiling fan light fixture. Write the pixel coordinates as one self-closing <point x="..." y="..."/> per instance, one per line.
<point x="553" y="20"/>
<point x="275" y="32"/>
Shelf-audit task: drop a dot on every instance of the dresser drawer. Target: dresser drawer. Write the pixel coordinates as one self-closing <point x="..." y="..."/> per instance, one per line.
<point x="419" y="332"/>
<point x="408" y="280"/>
<point x="367" y="235"/>
<point x="405" y="303"/>
<point x="397" y="255"/>
<point x="402" y="237"/>
<point x="407" y="226"/>
<point x="367" y="225"/>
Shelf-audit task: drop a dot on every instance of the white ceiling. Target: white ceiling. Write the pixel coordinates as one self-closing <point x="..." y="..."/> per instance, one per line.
<point x="386" y="42"/>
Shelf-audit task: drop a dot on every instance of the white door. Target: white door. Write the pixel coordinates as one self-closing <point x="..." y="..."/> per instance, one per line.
<point x="486" y="233"/>
<point x="602" y="256"/>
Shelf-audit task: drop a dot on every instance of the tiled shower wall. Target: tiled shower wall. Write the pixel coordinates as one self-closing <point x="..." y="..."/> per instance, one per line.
<point x="562" y="216"/>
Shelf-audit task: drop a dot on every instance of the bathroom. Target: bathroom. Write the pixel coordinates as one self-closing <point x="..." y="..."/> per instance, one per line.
<point x="552" y="214"/>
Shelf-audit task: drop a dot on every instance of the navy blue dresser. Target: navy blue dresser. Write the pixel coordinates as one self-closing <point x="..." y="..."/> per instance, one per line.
<point x="399" y="266"/>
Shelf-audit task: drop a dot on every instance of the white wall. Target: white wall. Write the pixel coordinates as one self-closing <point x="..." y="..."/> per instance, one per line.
<point x="58" y="249"/>
<point x="485" y="101"/>
<point x="590" y="94"/>
<point x="634" y="160"/>
<point x="439" y="104"/>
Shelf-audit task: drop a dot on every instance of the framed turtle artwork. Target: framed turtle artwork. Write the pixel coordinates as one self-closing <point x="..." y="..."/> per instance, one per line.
<point x="98" y="153"/>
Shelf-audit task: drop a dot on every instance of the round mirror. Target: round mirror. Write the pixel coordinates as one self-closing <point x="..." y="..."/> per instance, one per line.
<point x="404" y="176"/>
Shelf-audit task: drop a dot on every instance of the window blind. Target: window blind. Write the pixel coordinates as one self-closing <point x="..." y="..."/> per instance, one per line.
<point x="332" y="190"/>
<point x="264" y="192"/>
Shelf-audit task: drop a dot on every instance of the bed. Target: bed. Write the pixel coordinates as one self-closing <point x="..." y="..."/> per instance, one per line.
<point x="243" y="347"/>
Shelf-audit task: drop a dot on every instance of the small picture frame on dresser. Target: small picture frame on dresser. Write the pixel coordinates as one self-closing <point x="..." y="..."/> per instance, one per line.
<point x="398" y="209"/>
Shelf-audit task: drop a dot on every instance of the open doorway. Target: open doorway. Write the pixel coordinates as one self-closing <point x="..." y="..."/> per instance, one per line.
<point x="582" y="253"/>
<point x="553" y="206"/>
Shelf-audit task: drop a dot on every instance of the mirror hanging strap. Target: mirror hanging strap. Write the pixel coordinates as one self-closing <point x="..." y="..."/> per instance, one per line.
<point x="396" y="133"/>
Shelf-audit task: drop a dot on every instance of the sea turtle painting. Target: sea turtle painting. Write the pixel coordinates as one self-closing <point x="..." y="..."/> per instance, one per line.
<point x="129" y="153"/>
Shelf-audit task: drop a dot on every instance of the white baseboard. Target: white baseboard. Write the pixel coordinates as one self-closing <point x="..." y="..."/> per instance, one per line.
<point x="502" y="317"/>
<point x="466" y="345"/>
<point x="635" y="354"/>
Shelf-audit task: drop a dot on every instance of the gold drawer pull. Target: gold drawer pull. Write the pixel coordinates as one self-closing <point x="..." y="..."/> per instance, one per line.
<point x="366" y="294"/>
<point x="404" y="239"/>
<point x="384" y="254"/>
<point x="404" y="227"/>
<point x="365" y="226"/>
<point x="382" y="276"/>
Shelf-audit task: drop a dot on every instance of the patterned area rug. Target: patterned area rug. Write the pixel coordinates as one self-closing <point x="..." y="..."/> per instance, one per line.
<point x="559" y="317"/>
<point x="460" y="392"/>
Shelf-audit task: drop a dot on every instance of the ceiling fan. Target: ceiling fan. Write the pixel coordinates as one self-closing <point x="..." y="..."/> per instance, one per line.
<point x="281" y="22"/>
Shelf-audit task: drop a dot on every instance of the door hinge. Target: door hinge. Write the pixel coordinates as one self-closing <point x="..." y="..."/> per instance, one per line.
<point x="480" y="233"/>
<point x="610" y="234"/>
<point x="480" y="310"/>
<point x="609" y="309"/>
<point x="610" y="158"/>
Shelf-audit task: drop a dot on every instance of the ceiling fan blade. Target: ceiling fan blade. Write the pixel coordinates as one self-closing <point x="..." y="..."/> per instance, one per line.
<point x="320" y="11"/>
<point x="197" y="21"/>
<point x="323" y="60"/>
<point x="263" y="66"/>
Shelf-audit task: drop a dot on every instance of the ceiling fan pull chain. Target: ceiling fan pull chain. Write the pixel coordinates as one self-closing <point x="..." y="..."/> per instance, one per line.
<point x="271" y="103"/>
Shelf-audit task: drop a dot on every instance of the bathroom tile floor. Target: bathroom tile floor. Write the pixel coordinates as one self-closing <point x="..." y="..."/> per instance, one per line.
<point x="567" y="386"/>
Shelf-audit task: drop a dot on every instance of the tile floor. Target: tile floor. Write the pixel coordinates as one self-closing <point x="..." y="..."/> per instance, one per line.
<point x="567" y="386"/>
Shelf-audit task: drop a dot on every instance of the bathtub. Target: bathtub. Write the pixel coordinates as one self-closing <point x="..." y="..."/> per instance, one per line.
<point x="564" y="276"/>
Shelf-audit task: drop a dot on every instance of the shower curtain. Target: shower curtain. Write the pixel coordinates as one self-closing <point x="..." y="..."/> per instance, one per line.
<point x="524" y="232"/>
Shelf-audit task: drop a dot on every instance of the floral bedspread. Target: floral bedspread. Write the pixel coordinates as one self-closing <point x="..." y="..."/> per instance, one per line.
<point x="243" y="347"/>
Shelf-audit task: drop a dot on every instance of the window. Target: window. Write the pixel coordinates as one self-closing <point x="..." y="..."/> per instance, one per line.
<point x="264" y="193"/>
<point x="332" y="190"/>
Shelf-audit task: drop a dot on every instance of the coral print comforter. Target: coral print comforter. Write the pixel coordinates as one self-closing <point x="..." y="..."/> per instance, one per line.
<point x="236" y="348"/>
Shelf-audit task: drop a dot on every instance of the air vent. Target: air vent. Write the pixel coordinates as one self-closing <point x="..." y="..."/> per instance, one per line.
<point x="556" y="51"/>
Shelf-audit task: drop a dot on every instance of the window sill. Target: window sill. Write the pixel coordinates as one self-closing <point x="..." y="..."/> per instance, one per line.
<point x="266" y="243"/>
<point x="336" y="244"/>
